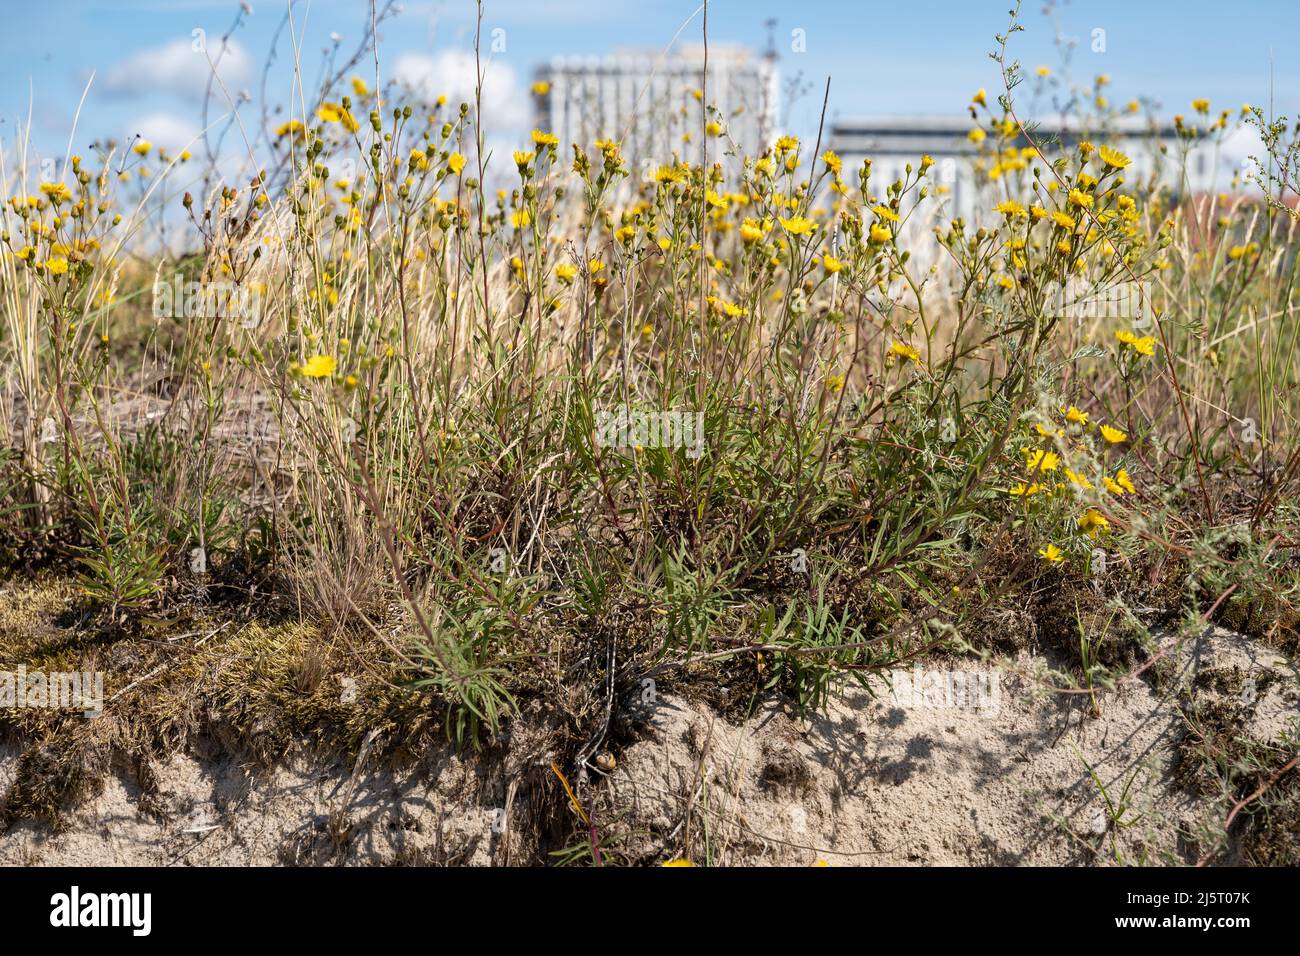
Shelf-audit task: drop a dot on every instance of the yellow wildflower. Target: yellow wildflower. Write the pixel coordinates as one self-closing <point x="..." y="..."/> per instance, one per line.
<point x="319" y="366"/>
<point x="1093" y="522"/>
<point x="903" y="350"/>
<point x="1113" y="158"/>
<point x="798" y="225"/>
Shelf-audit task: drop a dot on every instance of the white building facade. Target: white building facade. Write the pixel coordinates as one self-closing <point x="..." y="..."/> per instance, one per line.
<point x="649" y="104"/>
<point x="893" y="142"/>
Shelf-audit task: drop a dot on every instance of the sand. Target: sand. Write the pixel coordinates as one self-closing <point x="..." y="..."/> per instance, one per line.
<point x="895" y="778"/>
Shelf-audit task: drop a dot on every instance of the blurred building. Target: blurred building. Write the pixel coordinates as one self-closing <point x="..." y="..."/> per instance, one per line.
<point x="894" y="142"/>
<point x="647" y="101"/>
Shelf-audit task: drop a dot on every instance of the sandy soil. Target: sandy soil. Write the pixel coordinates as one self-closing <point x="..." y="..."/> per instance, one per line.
<point x="901" y="778"/>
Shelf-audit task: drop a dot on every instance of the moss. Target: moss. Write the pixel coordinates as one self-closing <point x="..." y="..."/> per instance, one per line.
<point x="261" y="691"/>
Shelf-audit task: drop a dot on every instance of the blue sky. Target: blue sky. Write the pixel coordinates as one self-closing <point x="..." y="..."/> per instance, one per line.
<point x="883" y="57"/>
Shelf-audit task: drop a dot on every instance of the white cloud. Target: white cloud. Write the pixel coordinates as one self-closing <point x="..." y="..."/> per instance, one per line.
<point x="165" y="130"/>
<point x="182" y="67"/>
<point x="451" y="73"/>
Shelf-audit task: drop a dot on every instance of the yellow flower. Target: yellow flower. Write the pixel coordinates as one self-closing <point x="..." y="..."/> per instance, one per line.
<point x="1021" y="490"/>
<point x="679" y="863"/>
<point x="1201" y="106"/>
<point x="1064" y="220"/>
<point x="722" y="306"/>
<point x="1036" y="459"/>
<point x="884" y="212"/>
<point x="58" y="192"/>
<point x="1093" y="522"/>
<point x="142" y="148"/>
<point x="359" y="86"/>
<point x="455" y="162"/>
<point x="1081" y="199"/>
<point x="798" y="225"/>
<point x="541" y="88"/>
<point x="334" y="113"/>
<point x="1011" y="208"/>
<point x="1073" y="414"/>
<point x="714" y="200"/>
<point x="669" y="174"/>
<point x="1044" y="71"/>
<point x="751" y="231"/>
<point x="58" y="265"/>
<point x="566" y="272"/>
<point x="1113" y="158"/>
<point x="981" y="98"/>
<point x="520" y="218"/>
<point x="1113" y="435"/>
<point x="1122" y="479"/>
<point x="976" y="135"/>
<point x="880" y="233"/>
<point x="523" y="158"/>
<point x="545" y="139"/>
<point x="1146" y="345"/>
<point x="787" y="143"/>
<point x="832" y="161"/>
<point x="903" y="350"/>
<point x="288" y="128"/>
<point x="319" y="366"/>
<point x="1078" y="480"/>
<point x="1051" y="554"/>
<point x="831" y="264"/>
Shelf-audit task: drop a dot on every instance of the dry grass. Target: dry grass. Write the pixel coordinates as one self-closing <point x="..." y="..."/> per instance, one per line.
<point x="395" y="469"/>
